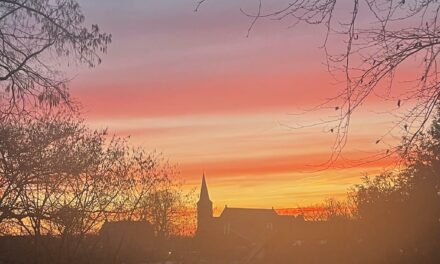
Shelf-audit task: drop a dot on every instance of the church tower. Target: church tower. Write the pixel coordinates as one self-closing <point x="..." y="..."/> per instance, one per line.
<point x="204" y="210"/>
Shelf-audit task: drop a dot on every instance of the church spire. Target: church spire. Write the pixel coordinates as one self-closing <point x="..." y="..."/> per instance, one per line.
<point x="204" y="209"/>
<point x="204" y="195"/>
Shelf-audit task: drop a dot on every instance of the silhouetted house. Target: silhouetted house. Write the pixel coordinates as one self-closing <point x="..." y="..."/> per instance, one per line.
<point x="127" y="240"/>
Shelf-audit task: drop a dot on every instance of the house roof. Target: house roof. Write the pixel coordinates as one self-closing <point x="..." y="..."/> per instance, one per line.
<point x="246" y="213"/>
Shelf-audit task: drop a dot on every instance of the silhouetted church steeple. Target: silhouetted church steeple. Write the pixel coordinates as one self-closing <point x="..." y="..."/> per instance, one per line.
<point x="204" y="195"/>
<point x="204" y="209"/>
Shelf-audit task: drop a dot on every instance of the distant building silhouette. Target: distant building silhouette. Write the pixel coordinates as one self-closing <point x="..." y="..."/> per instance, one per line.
<point x="247" y="224"/>
<point x="238" y="228"/>
<point x="253" y="234"/>
<point x="204" y="210"/>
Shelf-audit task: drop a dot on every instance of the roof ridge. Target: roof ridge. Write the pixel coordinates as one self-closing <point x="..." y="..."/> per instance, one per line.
<point x="250" y="208"/>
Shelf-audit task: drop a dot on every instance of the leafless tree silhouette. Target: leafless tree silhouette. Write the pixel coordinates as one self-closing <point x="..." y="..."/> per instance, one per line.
<point x="386" y="48"/>
<point x="60" y="181"/>
<point x="34" y="35"/>
<point x="167" y="209"/>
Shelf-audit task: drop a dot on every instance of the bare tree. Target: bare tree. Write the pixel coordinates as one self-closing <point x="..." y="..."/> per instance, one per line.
<point x="157" y="196"/>
<point x="329" y="210"/>
<point x="168" y="208"/>
<point x="60" y="181"/>
<point x="338" y="210"/>
<point x="34" y="35"/>
<point x="390" y="50"/>
<point x="38" y="157"/>
<point x="32" y="151"/>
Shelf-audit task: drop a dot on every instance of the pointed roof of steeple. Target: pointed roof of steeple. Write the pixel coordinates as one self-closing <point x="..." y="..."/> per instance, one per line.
<point x="204" y="195"/>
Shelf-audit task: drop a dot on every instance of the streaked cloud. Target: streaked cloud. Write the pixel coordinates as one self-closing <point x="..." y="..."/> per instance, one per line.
<point x="192" y="86"/>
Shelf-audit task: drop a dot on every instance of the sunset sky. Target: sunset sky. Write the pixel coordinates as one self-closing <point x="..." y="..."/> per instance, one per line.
<point x="192" y="86"/>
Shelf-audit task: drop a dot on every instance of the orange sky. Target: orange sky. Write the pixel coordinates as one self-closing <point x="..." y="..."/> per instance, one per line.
<point x="191" y="85"/>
